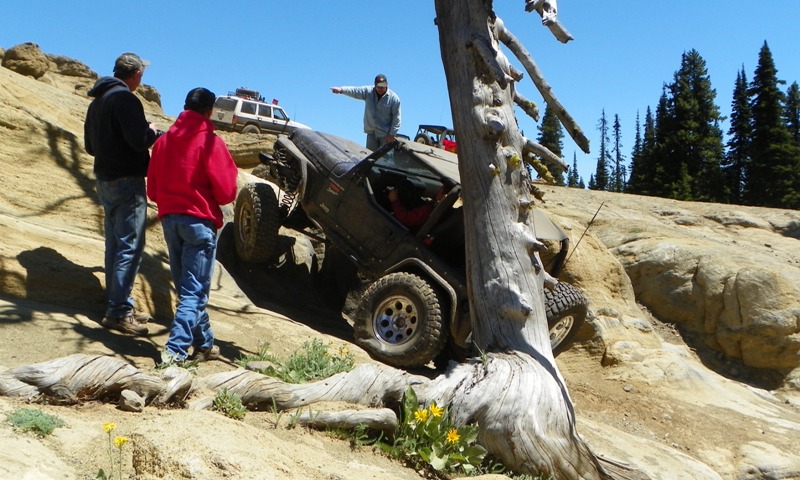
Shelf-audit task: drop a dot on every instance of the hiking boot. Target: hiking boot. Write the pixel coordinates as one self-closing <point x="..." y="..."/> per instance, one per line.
<point x="141" y="317"/>
<point x="127" y="324"/>
<point x="206" y="354"/>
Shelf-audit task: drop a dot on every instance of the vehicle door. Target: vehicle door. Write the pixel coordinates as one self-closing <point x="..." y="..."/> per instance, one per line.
<point x="265" y="117"/>
<point x="281" y="120"/>
<point x="247" y="113"/>
<point x="223" y="111"/>
<point x="365" y="214"/>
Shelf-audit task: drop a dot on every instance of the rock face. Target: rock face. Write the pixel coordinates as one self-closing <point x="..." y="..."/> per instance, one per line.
<point x="729" y="278"/>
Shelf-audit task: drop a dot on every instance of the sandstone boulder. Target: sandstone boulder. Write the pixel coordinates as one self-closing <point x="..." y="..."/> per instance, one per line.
<point x="71" y="67"/>
<point x="149" y="93"/>
<point x="26" y="59"/>
<point x="728" y="277"/>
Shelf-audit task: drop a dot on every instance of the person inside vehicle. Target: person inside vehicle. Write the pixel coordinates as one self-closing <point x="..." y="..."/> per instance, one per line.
<point x="409" y="206"/>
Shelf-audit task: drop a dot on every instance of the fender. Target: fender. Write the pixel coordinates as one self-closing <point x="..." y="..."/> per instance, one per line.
<point x="454" y="300"/>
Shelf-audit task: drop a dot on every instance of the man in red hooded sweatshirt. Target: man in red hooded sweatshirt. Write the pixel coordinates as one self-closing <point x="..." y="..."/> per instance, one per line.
<point x="191" y="174"/>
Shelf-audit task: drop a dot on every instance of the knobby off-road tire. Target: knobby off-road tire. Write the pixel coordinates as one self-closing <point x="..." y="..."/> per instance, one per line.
<point x="251" y="129"/>
<point x="566" y="308"/>
<point x="256" y="223"/>
<point x="399" y="321"/>
<point x="424" y="139"/>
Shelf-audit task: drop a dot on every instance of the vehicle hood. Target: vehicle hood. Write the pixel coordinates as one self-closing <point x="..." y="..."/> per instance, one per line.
<point x="442" y="161"/>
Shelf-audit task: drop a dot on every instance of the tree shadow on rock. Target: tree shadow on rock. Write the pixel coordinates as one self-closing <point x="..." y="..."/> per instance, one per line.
<point x="53" y="279"/>
<point x="54" y="284"/>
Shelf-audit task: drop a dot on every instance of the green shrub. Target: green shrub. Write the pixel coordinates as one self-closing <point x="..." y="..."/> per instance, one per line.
<point x="311" y="362"/>
<point x="427" y="437"/>
<point x="33" y="420"/>
<point x="229" y="404"/>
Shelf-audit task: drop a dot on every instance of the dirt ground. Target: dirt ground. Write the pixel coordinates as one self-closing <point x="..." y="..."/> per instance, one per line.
<point x="697" y="425"/>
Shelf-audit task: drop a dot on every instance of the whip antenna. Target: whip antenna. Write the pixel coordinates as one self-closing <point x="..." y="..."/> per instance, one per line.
<point x="584" y="232"/>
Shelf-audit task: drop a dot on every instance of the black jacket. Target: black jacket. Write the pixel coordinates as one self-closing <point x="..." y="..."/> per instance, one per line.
<point x="116" y="131"/>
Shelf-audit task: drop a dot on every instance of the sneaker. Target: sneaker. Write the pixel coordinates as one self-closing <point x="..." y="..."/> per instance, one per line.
<point x="168" y="359"/>
<point x="127" y="324"/>
<point x="206" y="354"/>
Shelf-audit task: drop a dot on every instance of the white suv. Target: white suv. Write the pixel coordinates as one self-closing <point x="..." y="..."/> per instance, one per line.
<point x="246" y="112"/>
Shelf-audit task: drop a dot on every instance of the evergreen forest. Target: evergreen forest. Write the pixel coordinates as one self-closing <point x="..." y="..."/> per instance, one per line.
<point x="680" y="150"/>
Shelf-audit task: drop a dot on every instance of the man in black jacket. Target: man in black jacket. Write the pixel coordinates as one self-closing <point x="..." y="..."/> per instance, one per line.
<point x="118" y="135"/>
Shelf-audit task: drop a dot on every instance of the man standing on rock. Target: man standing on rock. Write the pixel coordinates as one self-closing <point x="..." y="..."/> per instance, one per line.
<point x="190" y="176"/>
<point x="118" y="135"/>
<point x="381" y="110"/>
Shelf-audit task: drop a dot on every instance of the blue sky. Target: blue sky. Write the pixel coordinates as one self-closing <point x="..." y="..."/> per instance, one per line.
<point x="293" y="51"/>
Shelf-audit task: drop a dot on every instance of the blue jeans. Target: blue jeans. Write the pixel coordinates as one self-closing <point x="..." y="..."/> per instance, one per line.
<point x="374" y="141"/>
<point x="192" y="245"/>
<point x="125" y="206"/>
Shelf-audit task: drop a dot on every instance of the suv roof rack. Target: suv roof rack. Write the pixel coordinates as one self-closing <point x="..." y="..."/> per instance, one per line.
<point x="248" y="94"/>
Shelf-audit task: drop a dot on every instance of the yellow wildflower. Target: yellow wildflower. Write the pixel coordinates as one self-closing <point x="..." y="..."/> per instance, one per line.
<point x="452" y="436"/>
<point x="109" y="427"/>
<point x="435" y="410"/>
<point x="421" y="415"/>
<point x="120" y="441"/>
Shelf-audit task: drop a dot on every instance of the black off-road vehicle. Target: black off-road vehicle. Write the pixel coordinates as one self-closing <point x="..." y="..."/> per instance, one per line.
<point x="415" y="306"/>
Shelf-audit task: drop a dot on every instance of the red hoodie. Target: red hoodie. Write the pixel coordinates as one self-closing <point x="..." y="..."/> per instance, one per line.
<point x="191" y="170"/>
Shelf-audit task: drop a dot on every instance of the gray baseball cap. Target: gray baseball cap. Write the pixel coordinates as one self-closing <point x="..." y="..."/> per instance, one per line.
<point x="129" y="62"/>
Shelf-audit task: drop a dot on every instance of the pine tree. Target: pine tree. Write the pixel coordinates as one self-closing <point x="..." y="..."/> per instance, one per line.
<point x="647" y="162"/>
<point x="695" y="141"/>
<point x="619" y="172"/>
<point x="573" y="178"/>
<point x="739" y="134"/>
<point x="661" y="165"/>
<point x="600" y="179"/>
<point x="791" y="113"/>
<point x="551" y="135"/>
<point x="635" y="181"/>
<point x="772" y="174"/>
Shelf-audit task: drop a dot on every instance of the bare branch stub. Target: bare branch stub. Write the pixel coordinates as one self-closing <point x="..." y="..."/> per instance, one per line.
<point x="526" y="105"/>
<point x="545" y="154"/>
<point x="513" y="44"/>
<point x="548" y="10"/>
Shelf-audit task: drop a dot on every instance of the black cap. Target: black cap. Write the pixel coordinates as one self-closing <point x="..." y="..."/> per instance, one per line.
<point x="200" y="100"/>
<point x="380" y="80"/>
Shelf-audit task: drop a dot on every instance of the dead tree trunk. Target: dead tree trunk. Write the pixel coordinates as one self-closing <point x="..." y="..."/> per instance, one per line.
<point x="528" y="420"/>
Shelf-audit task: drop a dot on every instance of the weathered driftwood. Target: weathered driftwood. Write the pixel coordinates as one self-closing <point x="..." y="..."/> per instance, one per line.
<point x="367" y="384"/>
<point x="83" y="377"/>
<point x="11" y="387"/>
<point x="470" y="389"/>
<point x="379" y="419"/>
<point x="178" y="383"/>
